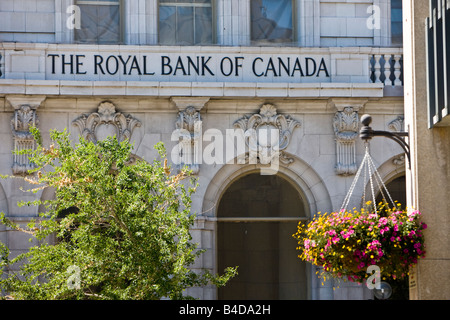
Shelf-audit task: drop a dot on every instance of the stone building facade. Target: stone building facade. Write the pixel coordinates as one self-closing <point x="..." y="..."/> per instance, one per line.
<point x="428" y="179"/>
<point x="147" y="69"/>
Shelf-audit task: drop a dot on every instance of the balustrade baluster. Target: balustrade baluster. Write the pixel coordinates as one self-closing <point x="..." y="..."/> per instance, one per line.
<point x="387" y="70"/>
<point x="377" y="67"/>
<point x="397" y="70"/>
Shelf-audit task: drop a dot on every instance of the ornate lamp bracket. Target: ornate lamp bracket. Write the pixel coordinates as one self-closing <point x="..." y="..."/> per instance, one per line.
<point x="366" y="133"/>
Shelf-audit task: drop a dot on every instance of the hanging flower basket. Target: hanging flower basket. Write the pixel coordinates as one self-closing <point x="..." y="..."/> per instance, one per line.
<point x="346" y="243"/>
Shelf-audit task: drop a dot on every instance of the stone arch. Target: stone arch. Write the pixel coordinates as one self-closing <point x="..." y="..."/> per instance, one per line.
<point x="301" y="175"/>
<point x="303" y="178"/>
<point x="256" y="218"/>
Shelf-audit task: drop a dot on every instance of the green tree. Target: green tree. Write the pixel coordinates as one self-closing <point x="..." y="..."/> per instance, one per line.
<point x="121" y="227"/>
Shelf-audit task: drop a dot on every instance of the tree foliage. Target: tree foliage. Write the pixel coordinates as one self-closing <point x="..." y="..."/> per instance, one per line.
<point x="120" y="227"/>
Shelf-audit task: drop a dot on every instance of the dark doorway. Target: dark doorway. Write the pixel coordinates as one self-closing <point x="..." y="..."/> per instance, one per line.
<point x="257" y="216"/>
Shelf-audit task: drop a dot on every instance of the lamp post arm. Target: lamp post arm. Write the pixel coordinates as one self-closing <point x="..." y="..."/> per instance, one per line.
<point x="366" y="133"/>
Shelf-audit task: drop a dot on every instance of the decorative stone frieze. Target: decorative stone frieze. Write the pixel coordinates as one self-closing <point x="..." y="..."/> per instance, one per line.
<point x="262" y="144"/>
<point x="106" y="122"/>
<point x="346" y="125"/>
<point x="189" y="129"/>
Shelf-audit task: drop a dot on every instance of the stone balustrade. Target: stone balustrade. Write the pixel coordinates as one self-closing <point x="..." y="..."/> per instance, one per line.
<point x="386" y="66"/>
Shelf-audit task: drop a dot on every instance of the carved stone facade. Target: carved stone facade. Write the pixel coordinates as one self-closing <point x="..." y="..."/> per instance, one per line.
<point x="346" y="126"/>
<point x="267" y="135"/>
<point x="299" y="131"/>
<point x="306" y="123"/>
<point x="106" y="122"/>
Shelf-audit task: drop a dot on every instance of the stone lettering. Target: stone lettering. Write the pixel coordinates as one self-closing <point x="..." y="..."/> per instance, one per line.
<point x="287" y="67"/>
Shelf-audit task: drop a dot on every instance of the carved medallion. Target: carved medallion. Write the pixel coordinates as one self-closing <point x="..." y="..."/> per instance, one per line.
<point x="267" y="134"/>
<point x="106" y="122"/>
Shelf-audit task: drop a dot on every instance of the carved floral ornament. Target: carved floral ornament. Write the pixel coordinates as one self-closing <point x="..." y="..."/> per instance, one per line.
<point x="106" y="122"/>
<point x="262" y="143"/>
<point x="346" y="126"/>
<point x="189" y="120"/>
<point x="189" y="129"/>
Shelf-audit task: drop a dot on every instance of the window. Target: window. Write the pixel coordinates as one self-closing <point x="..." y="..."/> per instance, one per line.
<point x="396" y="22"/>
<point x="185" y="22"/>
<point x="100" y="22"/>
<point x="271" y="21"/>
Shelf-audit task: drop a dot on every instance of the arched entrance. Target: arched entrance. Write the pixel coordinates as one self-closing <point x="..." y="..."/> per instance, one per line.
<point x="257" y="215"/>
